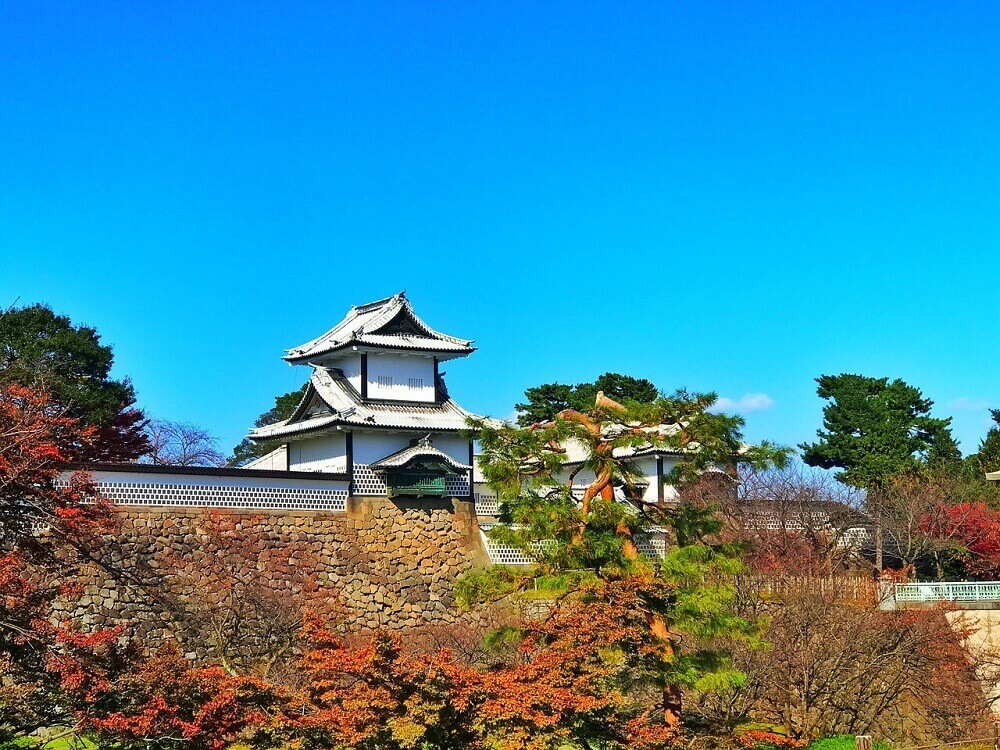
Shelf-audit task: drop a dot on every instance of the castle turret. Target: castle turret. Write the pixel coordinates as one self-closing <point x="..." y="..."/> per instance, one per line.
<point x="376" y="393"/>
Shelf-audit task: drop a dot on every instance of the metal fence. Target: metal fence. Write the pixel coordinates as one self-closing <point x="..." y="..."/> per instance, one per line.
<point x="949" y="591"/>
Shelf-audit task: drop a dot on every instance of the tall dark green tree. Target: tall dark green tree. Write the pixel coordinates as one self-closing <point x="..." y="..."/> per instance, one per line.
<point x="944" y="455"/>
<point x="284" y="405"/>
<point x="875" y="430"/>
<point x="45" y="351"/>
<point x="987" y="458"/>
<point x="545" y="401"/>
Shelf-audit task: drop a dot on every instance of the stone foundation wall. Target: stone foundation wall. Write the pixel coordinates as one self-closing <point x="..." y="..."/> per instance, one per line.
<point x="383" y="563"/>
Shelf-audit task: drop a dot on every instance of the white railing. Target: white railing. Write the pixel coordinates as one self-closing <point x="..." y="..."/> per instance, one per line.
<point x="948" y="591"/>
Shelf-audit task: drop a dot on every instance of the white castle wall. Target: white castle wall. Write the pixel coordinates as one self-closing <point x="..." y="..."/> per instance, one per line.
<point x="324" y="453"/>
<point x="401" y="377"/>
<point x="200" y="490"/>
<point x="351" y="367"/>
<point x="276" y="460"/>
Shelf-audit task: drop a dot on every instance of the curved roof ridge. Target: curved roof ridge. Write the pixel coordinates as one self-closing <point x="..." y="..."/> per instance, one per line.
<point x="379" y="302"/>
<point x="368" y="320"/>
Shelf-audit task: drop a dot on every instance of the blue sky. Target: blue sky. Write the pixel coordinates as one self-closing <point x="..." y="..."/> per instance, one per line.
<point x="736" y="197"/>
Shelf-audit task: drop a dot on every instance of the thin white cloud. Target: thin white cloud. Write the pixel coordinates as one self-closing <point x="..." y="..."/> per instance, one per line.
<point x="969" y="404"/>
<point x="749" y="402"/>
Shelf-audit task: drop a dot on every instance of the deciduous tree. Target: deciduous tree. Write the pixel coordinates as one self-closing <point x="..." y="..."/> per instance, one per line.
<point x="795" y="522"/>
<point x="164" y="703"/>
<point x="836" y="668"/>
<point x="180" y="444"/>
<point x="45" y="531"/>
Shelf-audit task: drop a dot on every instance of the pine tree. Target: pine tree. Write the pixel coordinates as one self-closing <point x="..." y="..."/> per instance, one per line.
<point x="588" y="547"/>
<point x="545" y="401"/>
<point x="875" y="431"/>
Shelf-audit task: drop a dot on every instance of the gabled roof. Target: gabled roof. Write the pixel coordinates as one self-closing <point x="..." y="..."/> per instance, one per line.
<point x="388" y="323"/>
<point x="422" y="449"/>
<point x="343" y="406"/>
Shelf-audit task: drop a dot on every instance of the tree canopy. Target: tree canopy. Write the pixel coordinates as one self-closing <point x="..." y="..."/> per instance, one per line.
<point x="987" y="458"/>
<point x="547" y="400"/>
<point x="47" y="352"/>
<point x="874" y="430"/>
<point x="589" y="545"/>
<point x="181" y="444"/>
<point x="284" y="405"/>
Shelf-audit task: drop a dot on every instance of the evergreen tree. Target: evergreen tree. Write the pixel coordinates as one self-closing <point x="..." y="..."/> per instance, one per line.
<point x="46" y="352"/>
<point x="544" y="402"/>
<point x="944" y="455"/>
<point x="987" y="458"/>
<point x="874" y="430"/>
<point x="587" y="547"/>
<point x="284" y="405"/>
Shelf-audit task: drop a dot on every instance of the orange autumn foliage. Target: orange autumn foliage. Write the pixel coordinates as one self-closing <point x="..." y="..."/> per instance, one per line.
<point x="567" y="683"/>
<point x="164" y="701"/>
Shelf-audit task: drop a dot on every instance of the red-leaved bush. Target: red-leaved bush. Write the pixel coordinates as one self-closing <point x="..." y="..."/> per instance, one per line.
<point x="976" y="527"/>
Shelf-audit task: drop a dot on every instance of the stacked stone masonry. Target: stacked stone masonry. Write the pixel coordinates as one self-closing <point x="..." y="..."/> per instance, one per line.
<point x="382" y="563"/>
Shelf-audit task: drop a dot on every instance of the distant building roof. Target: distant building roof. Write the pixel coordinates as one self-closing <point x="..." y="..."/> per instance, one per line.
<point x="388" y="323"/>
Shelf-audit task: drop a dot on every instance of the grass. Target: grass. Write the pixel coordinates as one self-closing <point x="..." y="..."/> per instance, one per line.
<point x="69" y="742"/>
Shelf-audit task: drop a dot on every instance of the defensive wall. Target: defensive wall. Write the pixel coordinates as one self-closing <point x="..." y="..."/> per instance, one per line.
<point x="182" y="534"/>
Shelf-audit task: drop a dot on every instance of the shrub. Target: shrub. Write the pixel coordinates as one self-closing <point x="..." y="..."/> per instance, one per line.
<point x="759" y="738"/>
<point x="842" y="742"/>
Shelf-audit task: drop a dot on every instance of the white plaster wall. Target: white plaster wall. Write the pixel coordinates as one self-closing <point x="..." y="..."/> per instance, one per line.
<point x="371" y="446"/>
<point x="276" y="460"/>
<point x="401" y="369"/>
<point x="456" y="446"/>
<point x="351" y="367"/>
<point x="323" y="453"/>
<point x="103" y="478"/>
<point x="647" y="467"/>
<point x="670" y="492"/>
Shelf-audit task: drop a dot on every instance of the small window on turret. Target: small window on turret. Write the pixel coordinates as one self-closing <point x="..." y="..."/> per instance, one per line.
<point x="384" y="381"/>
<point x="416" y="383"/>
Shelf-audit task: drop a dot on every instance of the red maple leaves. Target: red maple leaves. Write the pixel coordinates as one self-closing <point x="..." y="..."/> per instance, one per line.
<point x="976" y="527"/>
